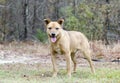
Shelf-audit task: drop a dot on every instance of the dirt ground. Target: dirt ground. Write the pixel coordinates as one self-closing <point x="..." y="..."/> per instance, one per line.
<point x="36" y="52"/>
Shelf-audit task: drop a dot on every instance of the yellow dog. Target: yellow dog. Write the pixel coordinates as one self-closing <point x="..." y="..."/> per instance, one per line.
<point x="67" y="43"/>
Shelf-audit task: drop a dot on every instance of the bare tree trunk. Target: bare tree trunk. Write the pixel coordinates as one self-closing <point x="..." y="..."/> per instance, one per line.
<point x="105" y="30"/>
<point x="25" y="5"/>
<point x="118" y="24"/>
<point x="106" y="26"/>
<point x="74" y="6"/>
<point x="56" y="15"/>
<point x="34" y="17"/>
<point x="4" y="23"/>
<point x="107" y="1"/>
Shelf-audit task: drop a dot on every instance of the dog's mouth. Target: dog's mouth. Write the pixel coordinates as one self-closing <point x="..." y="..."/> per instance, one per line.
<point x="53" y="38"/>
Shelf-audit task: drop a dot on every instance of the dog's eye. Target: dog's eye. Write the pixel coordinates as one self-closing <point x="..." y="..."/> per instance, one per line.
<point x="57" y="28"/>
<point x="49" y="28"/>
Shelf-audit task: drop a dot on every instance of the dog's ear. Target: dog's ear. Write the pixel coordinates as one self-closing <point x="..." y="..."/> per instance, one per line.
<point x="60" y="21"/>
<point x="47" y="21"/>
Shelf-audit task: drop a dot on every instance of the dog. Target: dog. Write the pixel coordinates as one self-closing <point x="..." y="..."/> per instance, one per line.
<point x="66" y="43"/>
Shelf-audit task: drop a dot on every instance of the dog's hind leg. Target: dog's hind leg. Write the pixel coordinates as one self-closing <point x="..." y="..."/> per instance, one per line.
<point x="74" y="61"/>
<point x="86" y="53"/>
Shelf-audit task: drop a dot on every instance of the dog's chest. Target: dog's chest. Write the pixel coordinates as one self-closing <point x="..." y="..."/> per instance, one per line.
<point x="57" y="49"/>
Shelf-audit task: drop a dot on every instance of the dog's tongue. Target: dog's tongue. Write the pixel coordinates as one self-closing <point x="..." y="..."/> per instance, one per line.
<point x="53" y="39"/>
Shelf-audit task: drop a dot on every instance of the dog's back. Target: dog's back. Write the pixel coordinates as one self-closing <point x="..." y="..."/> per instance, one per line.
<point x="77" y="40"/>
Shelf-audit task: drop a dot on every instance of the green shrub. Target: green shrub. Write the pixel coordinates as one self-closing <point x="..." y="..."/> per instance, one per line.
<point x="84" y="20"/>
<point x="41" y="35"/>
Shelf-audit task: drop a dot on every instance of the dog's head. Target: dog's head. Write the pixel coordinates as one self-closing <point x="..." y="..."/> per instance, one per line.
<point x="54" y="29"/>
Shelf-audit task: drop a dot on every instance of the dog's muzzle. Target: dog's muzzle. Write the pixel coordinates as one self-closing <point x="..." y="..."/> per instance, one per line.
<point x="53" y="37"/>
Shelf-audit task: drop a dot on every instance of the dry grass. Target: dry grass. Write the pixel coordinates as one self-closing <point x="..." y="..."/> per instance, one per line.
<point x="37" y="49"/>
<point x="107" y="52"/>
<point x="26" y="47"/>
<point x="24" y="52"/>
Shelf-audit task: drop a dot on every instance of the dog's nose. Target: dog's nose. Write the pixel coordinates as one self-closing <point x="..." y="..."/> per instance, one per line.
<point x="53" y="34"/>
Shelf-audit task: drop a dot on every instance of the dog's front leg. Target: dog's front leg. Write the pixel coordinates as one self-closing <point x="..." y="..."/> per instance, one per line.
<point x="68" y="61"/>
<point x="55" y="70"/>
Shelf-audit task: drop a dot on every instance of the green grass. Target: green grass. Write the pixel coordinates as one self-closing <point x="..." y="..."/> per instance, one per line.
<point x="19" y="73"/>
